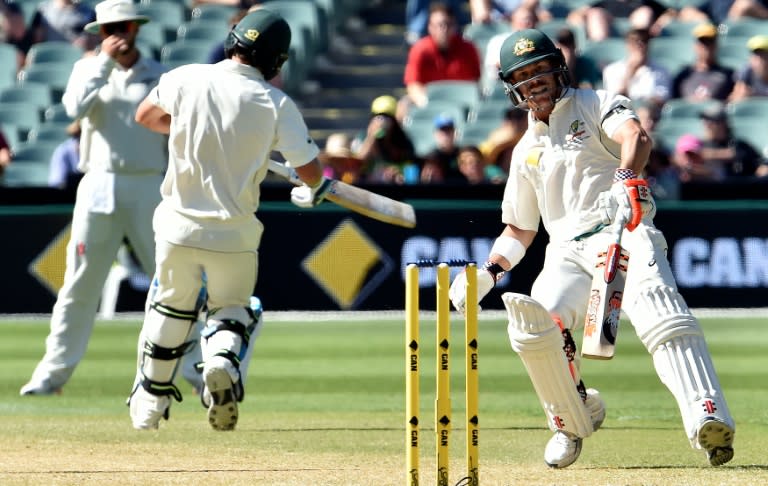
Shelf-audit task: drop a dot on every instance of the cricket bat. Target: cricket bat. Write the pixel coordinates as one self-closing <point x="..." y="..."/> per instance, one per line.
<point x="357" y="199"/>
<point x="601" y="324"/>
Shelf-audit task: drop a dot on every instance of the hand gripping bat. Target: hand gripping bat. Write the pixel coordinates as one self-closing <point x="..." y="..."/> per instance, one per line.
<point x="601" y="324"/>
<point x="357" y="199"/>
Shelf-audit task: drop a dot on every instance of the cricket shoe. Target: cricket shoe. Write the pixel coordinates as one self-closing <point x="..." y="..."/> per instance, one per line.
<point x="220" y="393"/>
<point x="41" y="388"/>
<point x="147" y="409"/>
<point x="716" y="437"/>
<point x="564" y="447"/>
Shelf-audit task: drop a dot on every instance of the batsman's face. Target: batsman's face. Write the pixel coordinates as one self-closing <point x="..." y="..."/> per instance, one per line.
<point x="537" y="84"/>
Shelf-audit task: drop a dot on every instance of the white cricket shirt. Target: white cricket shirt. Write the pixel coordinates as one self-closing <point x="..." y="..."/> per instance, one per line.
<point x="225" y="121"/>
<point x="558" y="170"/>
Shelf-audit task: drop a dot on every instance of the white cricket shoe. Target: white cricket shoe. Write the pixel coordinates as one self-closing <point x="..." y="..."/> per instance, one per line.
<point x="220" y="376"/>
<point x="39" y="388"/>
<point x="716" y="438"/>
<point x="564" y="448"/>
<point x="147" y="409"/>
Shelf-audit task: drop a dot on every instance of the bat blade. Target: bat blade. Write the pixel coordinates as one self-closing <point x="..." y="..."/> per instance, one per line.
<point x="601" y="324"/>
<point x="359" y="200"/>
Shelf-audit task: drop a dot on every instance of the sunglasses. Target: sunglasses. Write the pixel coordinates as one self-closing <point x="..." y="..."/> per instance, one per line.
<point x="117" y="27"/>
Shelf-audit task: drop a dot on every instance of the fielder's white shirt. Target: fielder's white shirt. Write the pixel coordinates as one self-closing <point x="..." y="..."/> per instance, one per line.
<point x="225" y="121"/>
<point x="104" y="96"/>
<point x="558" y="170"/>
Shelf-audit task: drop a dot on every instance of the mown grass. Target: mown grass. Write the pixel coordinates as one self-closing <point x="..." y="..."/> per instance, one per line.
<point x="325" y="406"/>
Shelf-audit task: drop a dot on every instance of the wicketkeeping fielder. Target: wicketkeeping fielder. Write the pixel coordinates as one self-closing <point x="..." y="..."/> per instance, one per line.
<point x="569" y="171"/>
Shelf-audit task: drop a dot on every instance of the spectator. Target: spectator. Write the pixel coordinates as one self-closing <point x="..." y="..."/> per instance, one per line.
<point x="636" y="76"/>
<point x="6" y="155"/>
<point x="691" y="166"/>
<point x="723" y="11"/>
<point x="497" y="148"/>
<point x="475" y="167"/>
<point x="583" y="71"/>
<point x="705" y="79"/>
<point x="383" y="146"/>
<point x="338" y="160"/>
<point x="597" y="18"/>
<point x="441" y="164"/>
<point x="523" y="17"/>
<point x="442" y="55"/>
<point x="14" y="31"/>
<point x="721" y="148"/>
<point x="752" y="79"/>
<point x="63" y="173"/>
<point x="488" y="11"/>
<point x="417" y="15"/>
<point x="63" y="20"/>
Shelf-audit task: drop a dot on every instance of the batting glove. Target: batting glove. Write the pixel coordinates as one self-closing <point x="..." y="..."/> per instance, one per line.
<point x="305" y="196"/>
<point x="458" y="291"/>
<point x="629" y="198"/>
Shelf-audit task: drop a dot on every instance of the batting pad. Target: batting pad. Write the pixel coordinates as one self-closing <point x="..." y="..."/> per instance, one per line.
<point x="164" y="331"/>
<point x="539" y="342"/>
<point x="684" y="365"/>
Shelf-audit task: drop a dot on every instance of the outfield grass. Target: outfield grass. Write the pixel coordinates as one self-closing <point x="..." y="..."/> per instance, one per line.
<point x="325" y="406"/>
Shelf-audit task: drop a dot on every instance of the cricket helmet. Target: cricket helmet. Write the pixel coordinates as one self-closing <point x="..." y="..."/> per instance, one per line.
<point x="526" y="47"/>
<point x="263" y="37"/>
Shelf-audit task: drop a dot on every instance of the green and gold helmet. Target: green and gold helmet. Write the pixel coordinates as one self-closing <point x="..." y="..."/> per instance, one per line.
<point x="264" y="38"/>
<point x="526" y="47"/>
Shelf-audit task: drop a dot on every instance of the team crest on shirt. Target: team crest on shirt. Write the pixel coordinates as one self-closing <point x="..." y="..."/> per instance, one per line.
<point x="523" y="46"/>
<point x="576" y="134"/>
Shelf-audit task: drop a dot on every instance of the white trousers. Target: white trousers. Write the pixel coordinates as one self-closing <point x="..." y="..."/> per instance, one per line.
<point x="91" y="251"/>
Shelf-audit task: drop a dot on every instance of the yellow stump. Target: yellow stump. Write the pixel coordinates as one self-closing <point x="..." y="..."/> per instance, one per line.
<point x="443" y="399"/>
<point x="472" y="387"/>
<point x="412" y="374"/>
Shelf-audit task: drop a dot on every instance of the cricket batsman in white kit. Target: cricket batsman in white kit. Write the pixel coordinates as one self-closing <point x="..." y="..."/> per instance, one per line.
<point x="570" y="171"/>
<point x="223" y="121"/>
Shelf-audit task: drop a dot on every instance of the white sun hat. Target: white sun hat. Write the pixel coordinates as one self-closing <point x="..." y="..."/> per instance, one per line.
<point x="111" y="11"/>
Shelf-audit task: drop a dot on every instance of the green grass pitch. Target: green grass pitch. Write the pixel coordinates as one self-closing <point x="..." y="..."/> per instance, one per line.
<point x="325" y="406"/>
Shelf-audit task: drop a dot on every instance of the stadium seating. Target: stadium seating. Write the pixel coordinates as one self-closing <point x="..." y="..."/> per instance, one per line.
<point x="672" y="52"/>
<point x="461" y="92"/>
<point x="427" y="113"/>
<point x="212" y="13"/>
<point x="476" y="132"/>
<point x="168" y="14"/>
<point x="8" y="62"/>
<point x="37" y="151"/>
<point x="38" y="94"/>
<point x="421" y="133"/>
<point x="178" y="53"/>
<point x="681" y="108"/>
<point x="24" y="116"/>
<point x="30" y="174"/>
<point x="756" y="107"/>
<point x="605" y="52"/>
<point x="56" y="52"/>
<point x="10" y="132"/>
<point x="55" y="76"/>
<point x="202" y="31"/>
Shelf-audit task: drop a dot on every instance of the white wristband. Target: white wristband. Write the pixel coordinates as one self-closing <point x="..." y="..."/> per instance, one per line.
<point x="510" y="248"/>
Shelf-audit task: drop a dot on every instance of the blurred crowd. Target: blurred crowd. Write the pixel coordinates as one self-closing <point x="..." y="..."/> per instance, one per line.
<point x="409" y="139"/>
<point x="444" y="47"/>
